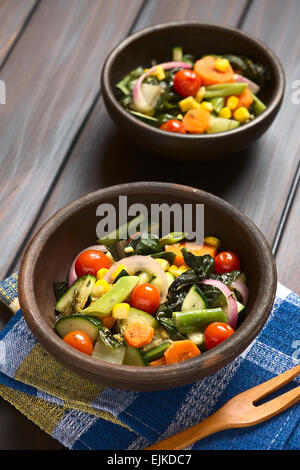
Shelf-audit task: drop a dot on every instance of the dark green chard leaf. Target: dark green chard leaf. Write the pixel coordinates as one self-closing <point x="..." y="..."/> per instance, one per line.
<point x="59" y="288"/>
<point x="185" y="280"/>
<point x="226" y="278"/>
<point x="126" y="84"/>
<point x="168" y="255"/>
<point x="108" y="338"/>
<point x="148" y="245"/>
<point x="164" y="315"/>
<point x="170" y="326"/>
<point x="202" y="265"/>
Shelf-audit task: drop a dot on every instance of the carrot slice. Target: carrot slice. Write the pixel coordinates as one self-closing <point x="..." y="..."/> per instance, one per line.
<point x="181" y="351"/>
<point x="158" y="362"/>
<point x="245" y="99"/>
<point x="108" y="321"/>
<point x="195" y="248"/>
<point x="138" y="334"/>
<point x="196" y="121"/>
<point x="205" y="67"/>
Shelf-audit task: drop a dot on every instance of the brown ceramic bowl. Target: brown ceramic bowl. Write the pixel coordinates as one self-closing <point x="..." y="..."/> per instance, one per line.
<point x="50" y="254"/>
<point x="196" y="38"/>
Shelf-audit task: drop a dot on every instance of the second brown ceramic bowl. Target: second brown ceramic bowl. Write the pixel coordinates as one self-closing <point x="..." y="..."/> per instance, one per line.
<point x="156" y="43"/>
<point x="50" y="254"/>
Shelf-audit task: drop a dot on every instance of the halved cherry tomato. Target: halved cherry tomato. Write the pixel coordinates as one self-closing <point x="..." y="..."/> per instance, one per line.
<point x="187" y="82"/>
<point x="215" y="333"/>
<point x="227" y="261"/>
<point x="90" y="261"/>
<point x="173" y="125"/>
<point x="145" y="297"/>
<point x="81" y="341"/>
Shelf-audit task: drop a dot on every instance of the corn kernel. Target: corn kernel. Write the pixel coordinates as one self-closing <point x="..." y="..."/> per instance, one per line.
<point x="103" y="283"/>
<point x="186" y="104"/>
<point x="159" y="73"/>
<point x="128" y="249"/>
<point x="101" y="273"/>
<point x="200" y="94"/>
<point x="146" y="70"/>
<point x="179" y="116"/>
<point x="242" y="114"/>
<point x="232" y="102"/>
<point x="207" y="106"/>
<point x="120" y="311"/>
<point x="177" y="271"/>
<point x="212" y="241"/>
<point x="117" y="271"/>
<point x="225" y="113"/>
<point x="196" y="105"/>
<point x="101" y="287"/>
<point x="164" y="263"/>
<point x="222" y="65"/>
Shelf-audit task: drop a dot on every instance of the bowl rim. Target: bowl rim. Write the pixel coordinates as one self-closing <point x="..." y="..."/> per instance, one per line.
<point x="107" y="87"/>
<point x="140" y="378"/>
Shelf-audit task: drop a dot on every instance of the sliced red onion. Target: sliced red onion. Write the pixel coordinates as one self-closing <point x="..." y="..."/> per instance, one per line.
<point x="231" y="310"/>
<point x="72" y="273"/>
<point x="251" y="85"/>
<point x="136" y="263"/>
<point x="241" y="288"/>
<point x="139" y="102"/>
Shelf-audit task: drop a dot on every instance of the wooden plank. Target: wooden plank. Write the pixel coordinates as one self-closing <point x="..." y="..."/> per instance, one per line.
<point x="287" y="258"/>
<point x="13" y="16"/>
<point x="101" y="156"/>
<point x="52" y="80"/>
<point x="258" y="179"/>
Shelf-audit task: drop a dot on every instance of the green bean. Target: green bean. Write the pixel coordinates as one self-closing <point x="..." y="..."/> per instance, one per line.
<point x="224" y="89"/>
<point x="187" y="322"/>
<point x="258" y="106"/>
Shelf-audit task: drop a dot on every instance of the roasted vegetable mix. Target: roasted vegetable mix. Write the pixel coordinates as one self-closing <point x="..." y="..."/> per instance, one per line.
<point x="188" y="95"/>
<point x="150" y="300"/>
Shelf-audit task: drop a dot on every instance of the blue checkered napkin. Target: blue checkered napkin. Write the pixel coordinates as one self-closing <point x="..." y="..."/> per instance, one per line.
<point x="84" y="416"/>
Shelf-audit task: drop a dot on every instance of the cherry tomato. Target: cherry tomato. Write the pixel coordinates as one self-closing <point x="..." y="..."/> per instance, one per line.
<point x="215" y="333"/>
<point x="227" y="261"/>
<point x="173" y="125"/>
<point x="81" y="341"/>
<point x="90" y="261"/>
<point x="145" y="297"/>
<point x="187" y="83"/>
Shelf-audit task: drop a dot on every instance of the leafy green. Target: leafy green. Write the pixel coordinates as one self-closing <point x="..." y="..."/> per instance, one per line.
<point x="168" y="255"/>
<point x="126" y="84"/>
<point x="59" y="288"/>
<point x="164" y="315"/>
<point x="148" y="245"/>
<point x="255" y="71"/>
<point x="203" y="266"/>
<point x="108" y="338"/>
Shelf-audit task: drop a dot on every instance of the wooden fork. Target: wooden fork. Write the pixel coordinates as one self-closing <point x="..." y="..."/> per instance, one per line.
<point x="238" y="412"/>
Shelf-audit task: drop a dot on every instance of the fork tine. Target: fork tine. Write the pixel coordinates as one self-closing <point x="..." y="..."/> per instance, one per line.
<point x="278" y="404"/>
<point x="260" y="391"/>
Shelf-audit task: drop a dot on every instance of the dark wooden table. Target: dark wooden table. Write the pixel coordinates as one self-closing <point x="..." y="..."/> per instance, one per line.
<point x="57" y="142"/>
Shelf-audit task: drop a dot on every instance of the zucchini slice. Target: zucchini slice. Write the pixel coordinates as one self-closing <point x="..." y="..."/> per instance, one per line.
<point x="195" y="300"/>
<point x="78" y="322"/>
<point x="133" y="357"/>
<point x="76" y="296"/>
<point x="107" y="354"/>
<point x="135" y="315"/>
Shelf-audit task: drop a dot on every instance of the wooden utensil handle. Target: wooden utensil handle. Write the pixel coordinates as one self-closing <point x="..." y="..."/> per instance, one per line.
<point x="208" y="426"/>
